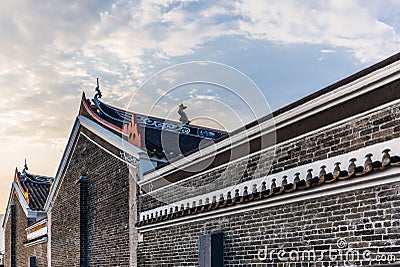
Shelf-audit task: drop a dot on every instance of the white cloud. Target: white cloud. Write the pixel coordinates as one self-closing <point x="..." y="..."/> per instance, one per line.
<point x="349" y="24"/>
<point x="327" y="51"/>
<point x="55" y="49"/>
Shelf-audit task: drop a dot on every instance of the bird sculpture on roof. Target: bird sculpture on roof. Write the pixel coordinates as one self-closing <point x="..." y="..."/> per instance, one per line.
<point x="184" y="118"/>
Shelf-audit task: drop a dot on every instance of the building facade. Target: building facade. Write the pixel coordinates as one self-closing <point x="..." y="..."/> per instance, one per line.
<point x="25" y="222"/>
<point x="315" y="184"/>
<point x="329" y="198"/>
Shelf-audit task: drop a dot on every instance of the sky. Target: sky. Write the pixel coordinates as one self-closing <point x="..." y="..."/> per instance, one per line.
<point x="51" y="51"/>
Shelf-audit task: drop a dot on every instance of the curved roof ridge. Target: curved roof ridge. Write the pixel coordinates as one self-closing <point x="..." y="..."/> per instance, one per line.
<point x="120" y="110"/>
<point x="35" y="188"/>
<point x="38" y="179"/>
<point x="156" y="135"/>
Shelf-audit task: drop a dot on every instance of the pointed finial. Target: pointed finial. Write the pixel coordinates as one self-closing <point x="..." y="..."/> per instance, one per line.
<point x="25" y="167"/>
<point x="98" y="92"/>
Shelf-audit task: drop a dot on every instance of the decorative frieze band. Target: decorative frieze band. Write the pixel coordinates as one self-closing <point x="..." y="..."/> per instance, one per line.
<point x="362" y="162"/>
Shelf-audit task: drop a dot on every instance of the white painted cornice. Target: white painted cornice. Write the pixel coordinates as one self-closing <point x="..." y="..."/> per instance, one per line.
<point x="360" y="86"/>
<point x="376" y="179"/>
<point x="362" y="182"/>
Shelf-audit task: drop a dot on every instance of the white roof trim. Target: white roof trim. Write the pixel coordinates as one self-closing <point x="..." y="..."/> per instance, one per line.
<point x="104" y="134"/>
<point x="44" y="221"/>
<point x="111" y="137"/>
<point x="39" y="241"/>
<point x="348" y="91"/>
<point x="63" y="164"/>
<point x="375" y="149"/>
<point x="22" y="201"/>
<point x="36" y="234"/>
<point x="375" y="179"/>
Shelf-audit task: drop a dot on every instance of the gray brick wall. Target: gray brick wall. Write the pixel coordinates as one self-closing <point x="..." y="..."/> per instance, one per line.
<point x="376" y="127"/>
<point x="40" y="251"/>
<point x="108" y="218"/>
<point x="23" y="252"/>
<point x="366" y="219"/>
<point x="22" y="223"/>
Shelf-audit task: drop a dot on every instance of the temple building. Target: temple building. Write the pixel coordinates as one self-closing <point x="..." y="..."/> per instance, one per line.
<point x="317" y="181"/>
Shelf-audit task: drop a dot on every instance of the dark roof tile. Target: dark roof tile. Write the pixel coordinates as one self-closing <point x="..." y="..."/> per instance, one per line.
<point x="35" y="188"/>
<point x="160" y="137"/>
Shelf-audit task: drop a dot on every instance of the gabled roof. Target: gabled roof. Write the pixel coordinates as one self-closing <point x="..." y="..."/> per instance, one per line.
<point x="132" y="137"/>
<point x="161" y="138"/>
<point x="35" y="188"/>
<point x="31" y="190"/>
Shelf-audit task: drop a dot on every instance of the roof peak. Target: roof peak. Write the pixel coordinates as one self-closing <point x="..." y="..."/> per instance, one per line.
<point x="97" y="90"/>
<point x="35" y="178"/>
<point x="25" y="167"/>
<point x="35" y="188"/>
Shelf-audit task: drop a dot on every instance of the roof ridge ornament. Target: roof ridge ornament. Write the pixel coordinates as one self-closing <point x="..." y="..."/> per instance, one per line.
<point x="97" y="96"/>
<point x="98" y="92"/>
<point x="25" y="168"/>
<point x="183" y="117"/>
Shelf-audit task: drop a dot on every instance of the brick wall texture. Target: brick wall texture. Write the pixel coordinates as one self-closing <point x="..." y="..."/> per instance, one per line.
<point x="22" y="223"/>
<point x="379" y="126"/>
<point x="108" y="205"/>
<point x="23" y="252"/>
<point x="367" y="219"/>
<point x="364" y="219"/>
<point x="40" y="251"/>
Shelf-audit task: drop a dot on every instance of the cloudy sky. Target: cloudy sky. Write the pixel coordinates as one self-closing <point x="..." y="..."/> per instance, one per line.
<point x="51" y="51"/>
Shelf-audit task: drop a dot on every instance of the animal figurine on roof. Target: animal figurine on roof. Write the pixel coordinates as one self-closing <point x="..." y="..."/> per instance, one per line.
<point x="183" y="119"/>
